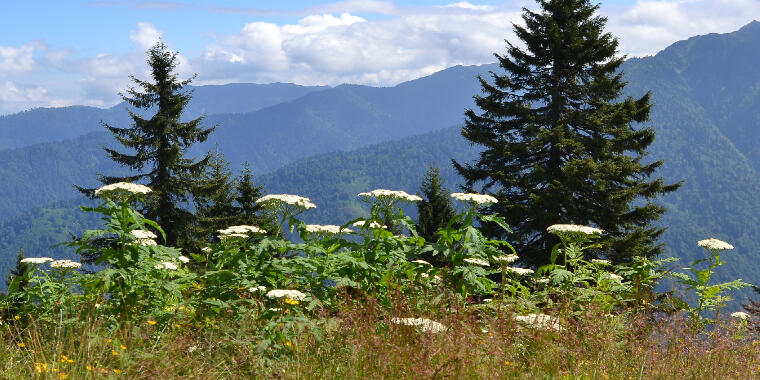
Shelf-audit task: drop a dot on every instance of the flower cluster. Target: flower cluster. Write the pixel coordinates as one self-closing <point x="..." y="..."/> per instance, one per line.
<point x="520" y="271"/>
<point x="166" y="265"/>
<point x="425" y="325"/>
<point x="600" y="261"/>
<point x="511" y="258"/>
<point x="37" y="260"/>
<point x="615" y="277"/>
<point x="327" y="228"/>
<point x="65" y="264"/>
<point x="184" y="259"/>
<point x="143" y="237"/>
<point x="287" y="293"/>
<point x="361" y="223"/>
<point x="396" y="194"/>
<point x="740" y="315"/>
<point x="421" y="262"/>
<point x="541" y="321"/>
<point x="480" y="199"/>
<point x="715" y="244"/>
<point x="240" y="231"/>
<point x="560" y="228"/>
<point x="128" y="188"/>
<point x="294" y="200"/>
<point x="476" y="261"/>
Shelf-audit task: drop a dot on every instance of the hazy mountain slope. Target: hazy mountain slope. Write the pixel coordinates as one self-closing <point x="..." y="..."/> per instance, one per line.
<point x="54" y="124"/>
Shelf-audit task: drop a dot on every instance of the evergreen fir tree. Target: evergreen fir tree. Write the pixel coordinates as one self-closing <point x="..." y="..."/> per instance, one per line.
<point x="559" y="142"/>
<point x="214" y="202"/>
<point x="21" y="270"/>
<point x="156" y="146"/>
<point x="436" y="208"/>
<point x="248" y="211"/>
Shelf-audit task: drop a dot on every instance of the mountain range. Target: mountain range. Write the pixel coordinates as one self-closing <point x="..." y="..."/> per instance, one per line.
<point x="331" y="143"/>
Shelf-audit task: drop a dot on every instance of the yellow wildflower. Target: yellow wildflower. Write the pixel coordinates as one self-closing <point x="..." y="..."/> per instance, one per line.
<point x="123" y="347"/>
<point x="291" y="302"/>
<point x="114" y="353"/>
<point x="16" y="317"/>
<point x="288" y="343"/>
<point x="89" y="367"/>
<point x="40" y="367"/>
<point x="63" y="375"/>
<point x="116" y="371"/>
<point x="21" y="344"/>
<point x="151" y="322"/>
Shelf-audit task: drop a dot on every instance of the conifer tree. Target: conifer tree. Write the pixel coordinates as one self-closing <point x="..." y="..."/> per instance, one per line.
<point x="21" y="270"/>
<point x="248" y="211"/>
<point x="436" y="209"/>
<point x="560" y="144"/>
<point x="157" y="146"/>
<point x="214" y="201"/>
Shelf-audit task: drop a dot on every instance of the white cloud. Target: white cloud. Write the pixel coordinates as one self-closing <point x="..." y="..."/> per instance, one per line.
<point x="145" y="36"/>
<point x="19" y="59"/>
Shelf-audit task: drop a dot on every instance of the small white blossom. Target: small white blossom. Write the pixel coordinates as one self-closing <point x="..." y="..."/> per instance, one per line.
<point x="326" y="228"/>
<point x="476" y="261"/>
<point x="122" y="187"/>
<point x="542" y="281"/>
<point x="166" y="265"/>
<point x="37" y="260"/>
<point x="715" y="244"/>
<point x="740" y="315"/>
<point x="361" y="223"/>
<point x="422" y="262"/>
<point x="287" y="293"/>
<point x="64" y="264"/>
<point x="206" y="250"/>
<point x="541" y="321"/>
<point x="615" y="277"/>
<point x="511" y="258"/>
<point x="600" y="261"/>
<point x="560" y="228"/>
<point x="145" y="242"/>
<point x="293" y="200"/>
<point x="240" y="231"/>
<point x="382" y="193"/>
<point x="480" y="199"/>
<point x="255" y="289"/>
<point x="143" y="234"/>
<point x="520" y="271"/>
<point x="184" y="259"/>
<point x="425" y="325"/>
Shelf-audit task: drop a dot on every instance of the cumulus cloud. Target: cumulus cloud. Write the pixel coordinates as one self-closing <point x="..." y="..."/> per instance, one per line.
<point x="16" y="59"/>
<point x="145" y="36"/>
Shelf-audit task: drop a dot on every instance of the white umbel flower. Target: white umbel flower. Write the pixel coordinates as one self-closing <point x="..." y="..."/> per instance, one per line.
<point x="600" y="261"/>
<point x="511" y="258"/>
<point x="426" y="325"/>
<point x="421" y="262"/>
<point x="122" y="187"/>
<point x="184" y="259"/>
<point x="166" y="265"/>
<point x="37" y="260"/>
<point x="361" y="223"/>
<point x="740" y="315"/>
<point x="520" y="271"/>
<point x="476" y="261"/>
<point x="240" y="231"/>
<point x="293" y="200"/>
<point x="255" y="289"/>
<point x="64" y="264"/>
<point x="480" y="199"/>
<point x="560" y="228"/>
<point x="541" y="321"/>
<point x="615" y="277"/>
<point x="143" y="234"/>
<point x="326" y="229"/>
<point x="397" y="194"/>
<point x="715" y="244"/>
<point x="287" y="293"/>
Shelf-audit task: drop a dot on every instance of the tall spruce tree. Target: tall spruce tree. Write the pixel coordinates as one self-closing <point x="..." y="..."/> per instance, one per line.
<point x="559" y="142"/>
<point x="436" y="209"/>
<point x="20" y="271"/>
<point x="248" y="211"/>
<point x="157" y="146"/>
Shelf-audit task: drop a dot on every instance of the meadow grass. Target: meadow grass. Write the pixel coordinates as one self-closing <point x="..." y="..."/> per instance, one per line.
<point x="361" y="342"/>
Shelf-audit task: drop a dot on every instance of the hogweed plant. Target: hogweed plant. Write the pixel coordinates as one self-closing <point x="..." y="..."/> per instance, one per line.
<point x="710" y="297"/>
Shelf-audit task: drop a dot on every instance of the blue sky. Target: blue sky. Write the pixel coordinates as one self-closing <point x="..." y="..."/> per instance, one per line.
<point x="58" y="53"/>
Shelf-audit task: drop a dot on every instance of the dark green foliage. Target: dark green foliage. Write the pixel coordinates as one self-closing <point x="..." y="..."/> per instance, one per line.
<point x="214" y="202"/>
<point x="156" y="147"/>
<point x="20" y="271"/>
<point x="559" y="143"/>
<point x="249" y="212"/>
<point x="436" y="208"/>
